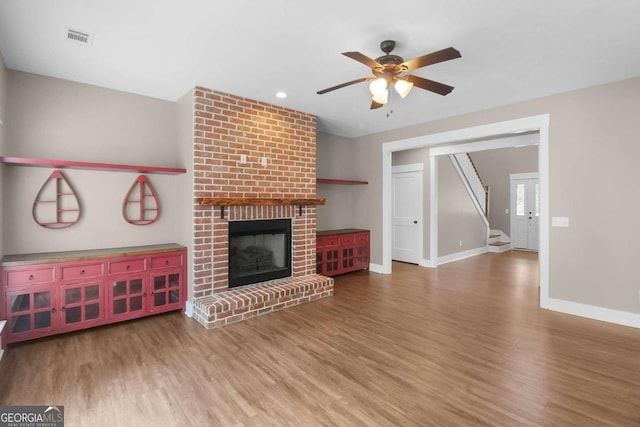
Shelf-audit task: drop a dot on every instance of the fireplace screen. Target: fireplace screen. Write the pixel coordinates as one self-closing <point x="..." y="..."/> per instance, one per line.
<point x="259" y="251"/>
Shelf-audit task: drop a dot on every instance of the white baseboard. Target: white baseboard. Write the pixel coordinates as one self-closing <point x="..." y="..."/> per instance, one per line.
<point x="377" y="268"/>
<point x="188" y="309"/>
<point x="427" y="263"/>
<point x="603" y="314"/>
<point x="461" y="255"/>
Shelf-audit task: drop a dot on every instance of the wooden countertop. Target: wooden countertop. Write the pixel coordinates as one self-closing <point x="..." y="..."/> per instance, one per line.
<point x="324" y="233"/>
<point x="51" y="257"/>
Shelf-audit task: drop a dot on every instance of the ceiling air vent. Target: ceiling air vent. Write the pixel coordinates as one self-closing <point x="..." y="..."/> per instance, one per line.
<point x="80" y="37"/>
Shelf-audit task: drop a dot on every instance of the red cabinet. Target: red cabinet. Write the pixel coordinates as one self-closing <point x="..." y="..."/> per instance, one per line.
<point x="46" y="294"/>
<point x="31" y="312"/>
<point x="81" y="305"/>
<point x="342" y="251"/>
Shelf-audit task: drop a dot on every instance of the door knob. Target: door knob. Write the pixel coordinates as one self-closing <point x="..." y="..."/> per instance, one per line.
<point x="415" y="222"/>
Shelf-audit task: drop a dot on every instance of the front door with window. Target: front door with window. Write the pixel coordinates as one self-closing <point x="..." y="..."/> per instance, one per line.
<point x="525" y="211"/>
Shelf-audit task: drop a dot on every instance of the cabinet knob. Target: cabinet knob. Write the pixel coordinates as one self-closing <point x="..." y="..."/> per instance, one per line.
<point x="62" y="309"/>
<point x="166" y="262"/>
<point x="53" y="309"/>
<point x="128" y="267"/>
<point x="82" y="272"/>
<point x="31" y="277"/>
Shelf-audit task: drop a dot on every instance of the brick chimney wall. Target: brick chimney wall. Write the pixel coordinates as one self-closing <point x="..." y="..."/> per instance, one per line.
<point x="228" y="128"/>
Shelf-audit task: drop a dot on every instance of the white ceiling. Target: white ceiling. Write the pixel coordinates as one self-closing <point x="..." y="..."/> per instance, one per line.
<point x="512" y="50"/>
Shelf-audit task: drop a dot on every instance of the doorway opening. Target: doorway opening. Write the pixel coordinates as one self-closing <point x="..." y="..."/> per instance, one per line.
<point x="477" y="138"/>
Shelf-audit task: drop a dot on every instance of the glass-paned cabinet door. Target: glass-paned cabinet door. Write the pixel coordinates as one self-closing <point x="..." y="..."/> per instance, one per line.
<point x="127" y="297"/>
<point x="165" y="290"/>
<point x="81" y="304"/>
<point x="31" y="312"/>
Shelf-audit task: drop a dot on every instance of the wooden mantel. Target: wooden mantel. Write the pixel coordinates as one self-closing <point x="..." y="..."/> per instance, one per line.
<point x="259" y="201"/>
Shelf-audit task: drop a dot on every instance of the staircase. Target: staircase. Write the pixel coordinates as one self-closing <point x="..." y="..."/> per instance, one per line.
<point x="498" y="242"/>
<point x="470" y="174"/>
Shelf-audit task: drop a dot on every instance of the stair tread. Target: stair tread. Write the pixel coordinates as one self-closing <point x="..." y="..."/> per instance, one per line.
<point x="499" y="243"/>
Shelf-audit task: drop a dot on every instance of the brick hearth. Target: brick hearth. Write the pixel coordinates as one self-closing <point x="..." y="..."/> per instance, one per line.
<point x="228" y="128"/>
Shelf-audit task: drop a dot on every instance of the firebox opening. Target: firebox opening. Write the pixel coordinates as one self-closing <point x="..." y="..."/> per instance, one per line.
<point x="259" y="251"/>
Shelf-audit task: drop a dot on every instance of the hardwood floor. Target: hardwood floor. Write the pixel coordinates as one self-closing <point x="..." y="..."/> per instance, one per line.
<point x="462" y="345"/>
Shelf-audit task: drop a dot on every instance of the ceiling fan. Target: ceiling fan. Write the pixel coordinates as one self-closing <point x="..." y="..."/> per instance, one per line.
<point x="390" y="70"/>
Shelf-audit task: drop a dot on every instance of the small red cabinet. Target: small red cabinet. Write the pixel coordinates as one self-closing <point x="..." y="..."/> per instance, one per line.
<point x="342" y="251"/>
<point x="46" y="294"/>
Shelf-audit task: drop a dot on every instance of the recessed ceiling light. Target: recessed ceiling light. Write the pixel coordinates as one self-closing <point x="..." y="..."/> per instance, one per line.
<point x="281" y="94"/>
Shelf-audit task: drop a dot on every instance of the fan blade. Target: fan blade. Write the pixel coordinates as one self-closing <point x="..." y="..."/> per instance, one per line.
<point x="430" y="85"/>
<point x="375" y="105"/>
<point x="432" y="58"/>
<point x="371" y="63"/>
<point x="340" y="86"/>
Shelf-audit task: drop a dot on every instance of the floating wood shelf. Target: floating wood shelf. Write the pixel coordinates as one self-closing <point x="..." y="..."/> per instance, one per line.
<point x="340" y="181"/>
<point x="70" y="164"/>
<point x="261" y="201"/>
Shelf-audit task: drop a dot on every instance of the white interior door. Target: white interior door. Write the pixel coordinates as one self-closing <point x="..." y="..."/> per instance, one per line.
<point x="525" y="211"/>
<point x="407" y="215"/>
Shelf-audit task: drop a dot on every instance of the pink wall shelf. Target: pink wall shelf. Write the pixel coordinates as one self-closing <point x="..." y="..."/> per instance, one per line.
<point x="70" y="164"/>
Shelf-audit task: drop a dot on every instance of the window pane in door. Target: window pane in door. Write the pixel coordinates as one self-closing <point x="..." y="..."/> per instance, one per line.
<point x="174" y="296"/>
<point x="20" y="303"/>
<point x="92" y="311"/>
<point x="92" y="293"/>
<point x="20" y="323"/>
<point x="520" y="199"/>
<point x="174" y="280"/>
<point x="73" y="315"/>
<point x="136" y="286"/>
<point x="159" y="282"/>
<point x="159" y="299"/>
<point x="42" y="299"/>
<point x="120" y="306"/>
<point x="119" y="289"/>
<point x="135" y="303"/>
<point x="42" y="320"/>
<point x="72" y="296"/>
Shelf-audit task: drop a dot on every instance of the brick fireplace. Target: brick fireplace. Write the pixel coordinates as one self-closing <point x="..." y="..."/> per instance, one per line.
<point x="250" y="150"/>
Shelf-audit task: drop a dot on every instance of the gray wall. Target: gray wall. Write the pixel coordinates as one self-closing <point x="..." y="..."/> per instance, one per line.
<point x="494" y="168"/>
<point x="58" y="119"/>
<point x="460" y="227"/>
<point x="184" y="198"/>
<point x="593" y="150"/>
<point x="335" y="160"/>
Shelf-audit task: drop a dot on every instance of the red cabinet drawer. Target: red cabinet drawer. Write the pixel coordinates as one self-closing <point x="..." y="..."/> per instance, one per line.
<point x="81" y="271"/>
<point x="347" y="240"/>
<point x="174" y="260"/>
<point x="328" y="241"/>
<point x="127" y="266"/>
<point x="36" y="275"/>
<point x="362" y="238"/>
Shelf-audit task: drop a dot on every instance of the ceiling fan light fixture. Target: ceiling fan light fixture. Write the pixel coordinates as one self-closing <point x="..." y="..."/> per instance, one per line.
<point x="378" y="88"/>
<point x="381" y="98"/>
<point x="403" y="87"/>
